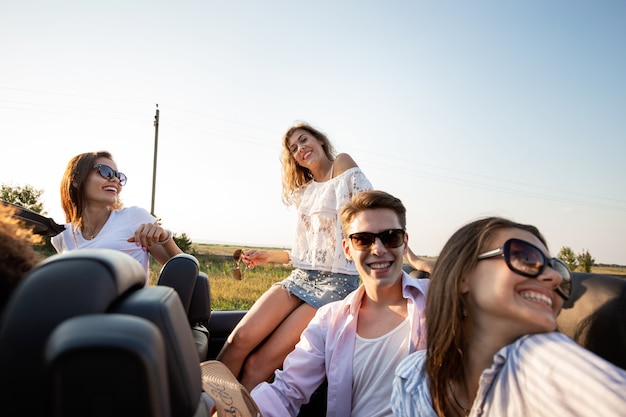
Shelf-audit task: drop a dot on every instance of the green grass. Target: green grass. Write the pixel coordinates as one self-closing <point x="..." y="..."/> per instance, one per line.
<point x="609" y="269"/>
<point x="227" y="293"/>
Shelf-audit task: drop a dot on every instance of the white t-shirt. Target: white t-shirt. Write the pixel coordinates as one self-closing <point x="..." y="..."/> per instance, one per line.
<point x="114" y="234"/>
<point x="373" y="370"/>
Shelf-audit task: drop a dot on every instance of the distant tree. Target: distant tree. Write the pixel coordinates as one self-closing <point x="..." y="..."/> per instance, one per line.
<point x="585" y="261"/>
<point x="26" y="196"/>
<point x="183" y="242"/>
<point x="566" y="254"/>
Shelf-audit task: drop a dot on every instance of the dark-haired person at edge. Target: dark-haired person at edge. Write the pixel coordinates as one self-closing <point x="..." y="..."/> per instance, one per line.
<point x="492" y="348"/>
<point x="318" y="183"/>
<point x="17" y="255"/>
<point x="90" y="196"/>
<point x="356" y="344"/>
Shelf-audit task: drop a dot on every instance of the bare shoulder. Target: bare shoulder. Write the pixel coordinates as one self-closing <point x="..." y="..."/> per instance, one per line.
<point x="343" y="162"/>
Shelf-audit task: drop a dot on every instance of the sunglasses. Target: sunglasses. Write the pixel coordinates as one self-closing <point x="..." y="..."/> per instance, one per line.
<point x="528" y="260"/>
<point x="237" y="272"/>
<point x="392" y="238"/>
<point x="109" y="173"/>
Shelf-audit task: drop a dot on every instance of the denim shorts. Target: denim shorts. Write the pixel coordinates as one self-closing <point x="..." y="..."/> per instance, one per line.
<point x="317" y="288"/>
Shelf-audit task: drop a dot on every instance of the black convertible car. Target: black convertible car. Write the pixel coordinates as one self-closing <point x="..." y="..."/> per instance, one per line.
<point x="83" y="336"/>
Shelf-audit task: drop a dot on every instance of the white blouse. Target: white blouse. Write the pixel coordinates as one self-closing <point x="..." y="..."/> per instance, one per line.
<point x="318" y="234"/>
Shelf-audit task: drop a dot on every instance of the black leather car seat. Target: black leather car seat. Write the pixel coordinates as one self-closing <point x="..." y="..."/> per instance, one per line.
<point x="40" y="338"/>
<point x="107" y="365"/>
<point x="181" y="272"/>
<point x="61" y="287"/>
<point x="161" y="305"/>
<point x="595" y="315"/>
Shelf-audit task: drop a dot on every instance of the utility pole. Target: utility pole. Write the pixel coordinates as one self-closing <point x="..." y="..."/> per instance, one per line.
<point x="154" y="165"/>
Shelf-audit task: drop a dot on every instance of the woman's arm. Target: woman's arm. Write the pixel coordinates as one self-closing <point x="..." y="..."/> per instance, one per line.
<point x="257" y="257"/>
<point x="157" y="240"/>
<point x="418" y="263"/>
<point x="163" y="252"/>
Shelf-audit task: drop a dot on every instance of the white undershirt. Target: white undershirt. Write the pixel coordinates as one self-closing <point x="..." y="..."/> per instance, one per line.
<point x="375" y="361"/>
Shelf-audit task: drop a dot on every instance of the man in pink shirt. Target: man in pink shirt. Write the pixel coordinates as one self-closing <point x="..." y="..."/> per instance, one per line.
<point x="356" y="344"/>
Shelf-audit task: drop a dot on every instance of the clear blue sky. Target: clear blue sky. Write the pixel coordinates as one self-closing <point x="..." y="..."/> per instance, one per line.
<point x="462" y="109"/>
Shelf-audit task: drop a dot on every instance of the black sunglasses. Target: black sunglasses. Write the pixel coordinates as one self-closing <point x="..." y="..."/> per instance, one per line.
<point x="392" y="238"/>
<point x="109" y="173"/>
<point x="528" y="260"/>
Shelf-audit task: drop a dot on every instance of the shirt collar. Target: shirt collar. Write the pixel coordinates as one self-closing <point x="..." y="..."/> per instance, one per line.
<point x="410" y="288"/>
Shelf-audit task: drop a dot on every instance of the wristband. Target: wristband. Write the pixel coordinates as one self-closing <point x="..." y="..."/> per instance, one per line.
<point x="167" y="239"/>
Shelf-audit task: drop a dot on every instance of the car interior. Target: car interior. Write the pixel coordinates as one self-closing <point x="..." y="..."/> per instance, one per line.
<point x="44" y="364"/>
<point x="83" y="335"/>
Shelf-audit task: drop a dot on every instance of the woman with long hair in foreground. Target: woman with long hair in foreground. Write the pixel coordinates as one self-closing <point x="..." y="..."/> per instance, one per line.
<point x="492" y="345"/>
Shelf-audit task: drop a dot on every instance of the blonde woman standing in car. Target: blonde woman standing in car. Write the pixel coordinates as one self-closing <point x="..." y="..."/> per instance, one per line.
<point x="317" y="182"/>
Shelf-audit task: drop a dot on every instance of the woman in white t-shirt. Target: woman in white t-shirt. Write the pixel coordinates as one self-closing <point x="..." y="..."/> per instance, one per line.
<point x="90" y="191"/>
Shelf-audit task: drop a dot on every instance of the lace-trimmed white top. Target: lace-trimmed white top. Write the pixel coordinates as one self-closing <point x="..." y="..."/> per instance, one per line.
<point x="318" y="235"/>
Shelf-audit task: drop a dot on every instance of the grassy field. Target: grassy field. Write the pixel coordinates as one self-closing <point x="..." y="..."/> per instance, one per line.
<point x="226" y="292"/>
<point x="229" y="294"/>
<point x="610" y="270"/>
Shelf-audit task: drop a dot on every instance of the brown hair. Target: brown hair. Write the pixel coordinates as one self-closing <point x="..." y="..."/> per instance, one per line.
<point x="447" y="328"/>
<point x="369" y="200"/>
<point x="73" y="185"/>
<point x="17" y="255"/>
<point x="294" y="175"/>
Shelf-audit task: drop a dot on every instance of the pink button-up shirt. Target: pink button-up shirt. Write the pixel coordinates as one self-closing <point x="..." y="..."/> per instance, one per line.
<point x="326" y="350"/>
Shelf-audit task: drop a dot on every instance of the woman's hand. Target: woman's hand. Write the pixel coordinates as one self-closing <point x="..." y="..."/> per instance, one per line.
<point x="256" y="257"/>
<point x="149" y="234"/>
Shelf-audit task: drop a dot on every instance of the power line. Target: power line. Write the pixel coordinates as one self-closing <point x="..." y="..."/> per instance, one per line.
<point x="399" y="164"/>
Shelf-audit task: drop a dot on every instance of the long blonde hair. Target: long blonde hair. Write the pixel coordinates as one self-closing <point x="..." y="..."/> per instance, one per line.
<point x="447" y="318"/>
<point x="295" y="176"/>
